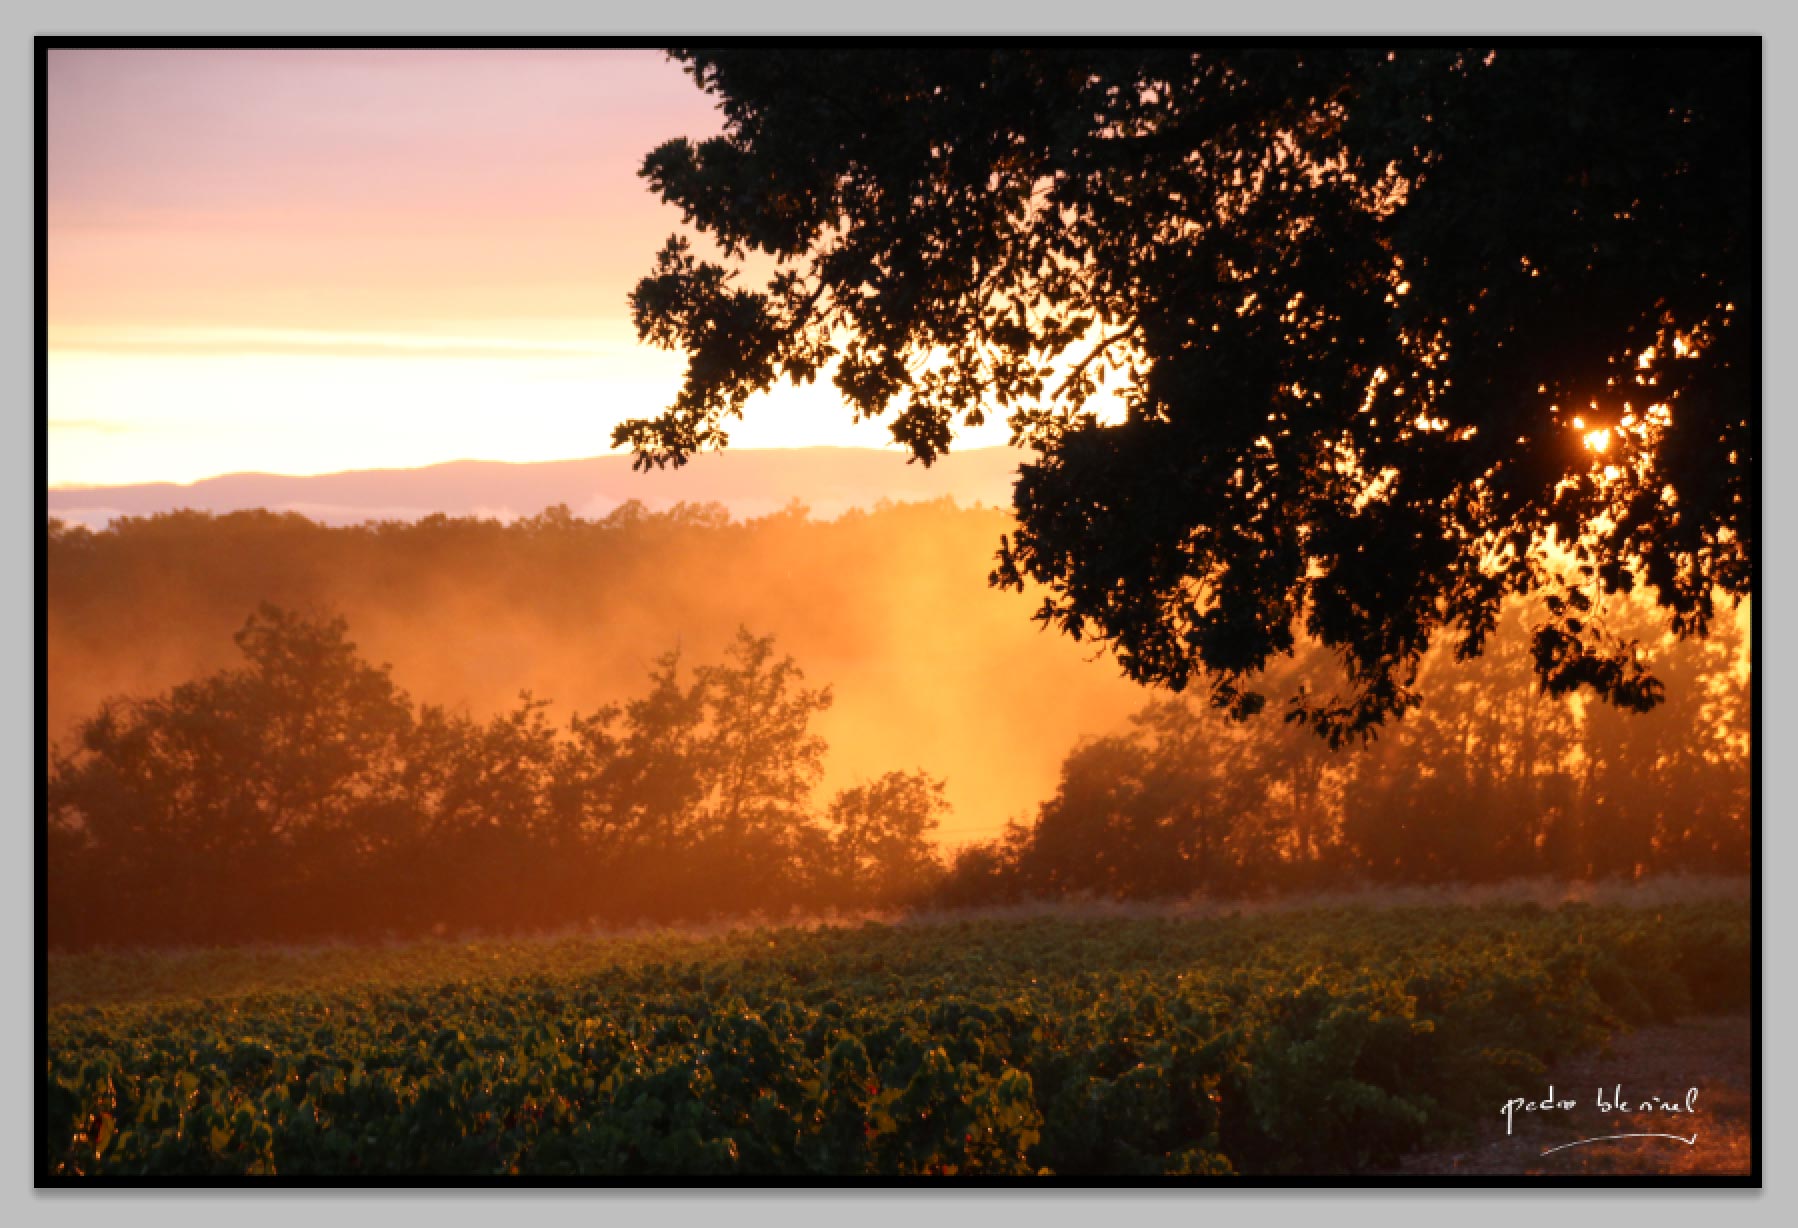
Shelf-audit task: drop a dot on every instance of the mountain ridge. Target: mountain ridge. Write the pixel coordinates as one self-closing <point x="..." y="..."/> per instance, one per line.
<point x="749" y="482"/>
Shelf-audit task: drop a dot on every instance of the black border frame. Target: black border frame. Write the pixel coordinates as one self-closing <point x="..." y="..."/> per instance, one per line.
<point x="43" y="44"/>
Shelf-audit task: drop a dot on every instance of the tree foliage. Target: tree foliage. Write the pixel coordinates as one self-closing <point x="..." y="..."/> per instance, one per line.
<point x="1491" y="782"/>
<point x="303" y="794"/>
<point x="1398" y="333"/>
<point x="296" y="791"/>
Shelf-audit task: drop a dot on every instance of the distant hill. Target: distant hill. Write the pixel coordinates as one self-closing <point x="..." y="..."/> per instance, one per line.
<point x="750" y="482"/>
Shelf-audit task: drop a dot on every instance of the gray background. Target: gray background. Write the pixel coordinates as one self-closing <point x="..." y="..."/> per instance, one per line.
<point x="20" y="535"/>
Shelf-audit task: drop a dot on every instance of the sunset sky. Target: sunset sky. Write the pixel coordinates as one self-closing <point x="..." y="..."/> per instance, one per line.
<point x="312" y="261"/>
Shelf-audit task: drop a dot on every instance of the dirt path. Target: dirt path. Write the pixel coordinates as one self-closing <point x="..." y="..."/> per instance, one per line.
<point x="1711" y="1054"/>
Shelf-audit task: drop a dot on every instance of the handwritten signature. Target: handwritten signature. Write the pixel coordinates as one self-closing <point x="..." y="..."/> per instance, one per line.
<point x="1612" y="1101"/>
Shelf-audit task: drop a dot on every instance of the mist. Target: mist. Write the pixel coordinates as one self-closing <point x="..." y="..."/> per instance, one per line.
<point x="929" y="667"/>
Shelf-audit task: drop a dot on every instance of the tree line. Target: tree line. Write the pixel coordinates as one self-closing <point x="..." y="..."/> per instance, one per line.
<point x="1492" y="779"/>
<point x="303" y="794"/>
<point x="890" y="605"/>
<point x="298" y="792"/>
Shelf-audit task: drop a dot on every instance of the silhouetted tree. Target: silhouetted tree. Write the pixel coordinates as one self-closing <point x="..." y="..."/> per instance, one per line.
<point x="253" y="793"/>
<point x="302" y="794"/>
<point x="1386" y="324"/>
<point x="881" y="832"/>
<point x="1476" y="786"/>
<point x="491" y="850"/>
<point x="1493" y="780"/>
<point x="1185" y="801"/>
<point x="295" y="792"/>
<point x="750" y="764"/>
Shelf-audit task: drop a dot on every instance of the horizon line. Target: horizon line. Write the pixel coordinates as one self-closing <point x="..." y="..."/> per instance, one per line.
<point x="893" y="450"/>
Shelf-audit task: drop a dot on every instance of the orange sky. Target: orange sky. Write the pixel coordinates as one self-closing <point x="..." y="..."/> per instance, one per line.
<point x="309" y="261"/>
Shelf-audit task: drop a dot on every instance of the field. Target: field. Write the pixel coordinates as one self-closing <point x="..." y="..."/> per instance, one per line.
<point x="1320" y="1041"/>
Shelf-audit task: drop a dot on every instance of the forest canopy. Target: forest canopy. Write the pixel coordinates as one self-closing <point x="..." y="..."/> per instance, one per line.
<point x="1400" y="334"/>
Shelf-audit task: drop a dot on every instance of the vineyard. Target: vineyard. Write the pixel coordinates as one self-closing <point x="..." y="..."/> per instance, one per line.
<point x="1311" y="1042"/>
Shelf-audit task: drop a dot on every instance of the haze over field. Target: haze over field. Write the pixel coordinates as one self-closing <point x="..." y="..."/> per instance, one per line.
<point x="310" y="281"/>
<point x="930" y="667"/>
